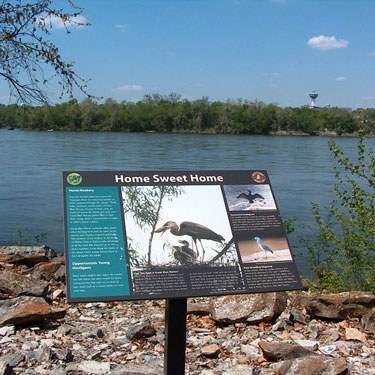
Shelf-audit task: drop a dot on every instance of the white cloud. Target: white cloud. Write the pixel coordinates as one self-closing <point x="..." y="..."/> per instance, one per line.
<point x="121" y="27"/>
<point x="326" y="43"/>
<point x="371" y="97"/>
<point x="131" y="87"/>
<point x="58" y="23"/>
<point x="341" y="78"/>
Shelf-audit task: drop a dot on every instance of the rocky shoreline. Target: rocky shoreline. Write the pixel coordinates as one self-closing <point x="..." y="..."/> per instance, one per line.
<point x="272" y="333"/>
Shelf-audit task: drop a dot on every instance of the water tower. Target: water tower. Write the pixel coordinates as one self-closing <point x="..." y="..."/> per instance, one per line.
<point x="313" y="95"/>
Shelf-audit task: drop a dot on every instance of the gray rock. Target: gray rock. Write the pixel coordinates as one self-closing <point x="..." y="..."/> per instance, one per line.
<point x="252" y="308"/>
<point x="90" y="367"/>
<point x="331" y="335"/>
<point x="239" y="370"/>
<point x="60" y="274"/>
<point x="16" y="284"/>
<point x="93" y="354"/>
<point x="64" y="354"/>
<point x="276" y="351"/>
<point x="298" y="316"/>
<point x="140" y="331"/>
<point x="130" y="369"/>
<point x="64" y="330"/>
<point x="251" y="350"/>
<point x="7" y="331"/>
<point x="314" y="329"/>
<point x="13" y="359"/>
<point x="44" y="354"/>
<point x="283" y="321"/>
<point x="368" y="321"/>
<point x="9" y="361"/>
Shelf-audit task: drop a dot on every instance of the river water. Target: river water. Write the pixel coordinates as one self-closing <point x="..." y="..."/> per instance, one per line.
<point x="31" y="163"/>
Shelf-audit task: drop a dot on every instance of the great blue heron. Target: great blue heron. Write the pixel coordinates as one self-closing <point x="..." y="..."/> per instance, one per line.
<point x="195" y="231"/>
<point x="266" y="249"/>
<point x="183" y="254"/>
<point x="250" y="197"/>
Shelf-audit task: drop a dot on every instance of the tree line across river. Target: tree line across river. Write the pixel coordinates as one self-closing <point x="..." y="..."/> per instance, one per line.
<point x="172" y="114"/>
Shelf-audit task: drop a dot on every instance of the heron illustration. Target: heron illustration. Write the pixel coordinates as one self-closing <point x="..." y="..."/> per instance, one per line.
<point x="266" y="249"/>
<point x="195" y="231"/>
<point x="250" y="196"/>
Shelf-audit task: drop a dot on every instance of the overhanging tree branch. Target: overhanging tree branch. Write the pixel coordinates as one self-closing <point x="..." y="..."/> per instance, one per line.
<point x="26" y="50"/>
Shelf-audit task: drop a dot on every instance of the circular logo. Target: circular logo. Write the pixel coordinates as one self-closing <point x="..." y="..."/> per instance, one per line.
<point x="258" y="177"/>
<point x="74" y="178"/>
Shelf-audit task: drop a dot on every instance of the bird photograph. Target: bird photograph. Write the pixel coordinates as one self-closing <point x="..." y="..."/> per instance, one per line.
<point x="249" y="197"/>
<point x="262" y="246"/>
<point x="268" y="249"/>
<point x="189" y="227"/>
<point x="196" y="232"/>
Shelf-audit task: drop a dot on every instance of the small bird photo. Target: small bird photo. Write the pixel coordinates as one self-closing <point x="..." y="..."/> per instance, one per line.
<point x="258" y="249"/>
<point x="249" y="197"/>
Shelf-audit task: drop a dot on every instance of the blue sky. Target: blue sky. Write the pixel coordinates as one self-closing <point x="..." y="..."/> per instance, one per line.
<point x="269" y="50"/>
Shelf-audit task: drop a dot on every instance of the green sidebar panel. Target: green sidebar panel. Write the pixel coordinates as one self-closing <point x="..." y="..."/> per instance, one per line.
<point x="96" y="264"/>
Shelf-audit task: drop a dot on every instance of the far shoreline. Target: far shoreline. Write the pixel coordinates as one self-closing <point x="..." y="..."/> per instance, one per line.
<point x="279" y="133"/>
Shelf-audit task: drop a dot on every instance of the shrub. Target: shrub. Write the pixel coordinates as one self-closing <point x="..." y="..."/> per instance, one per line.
<point x="342" y="256"/>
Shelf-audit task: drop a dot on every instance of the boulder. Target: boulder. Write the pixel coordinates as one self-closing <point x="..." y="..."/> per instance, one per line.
<point x="140" y="331"/>
<point x="363" y="298"/>
<point x="25" y="310"/>
<point x="317" y="365"/>
<point x="26" y="255"/>
<point x="211" y="351"/>
<point x="276" y="351"/>
<point x="46" y="270"/>
<point x="198" y="308"/>
<point x="252" y="308"/>
<point x="339" y="306"/>
<point x="15" y="284"/>
<point x="368" y="321"/>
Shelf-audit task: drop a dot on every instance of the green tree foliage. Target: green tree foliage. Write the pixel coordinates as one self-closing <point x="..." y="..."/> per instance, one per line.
<point x="28" y="56"/>
<point x="171" y="113"/>
<point x="343" y="255"/>
<point x="144" y="204"/>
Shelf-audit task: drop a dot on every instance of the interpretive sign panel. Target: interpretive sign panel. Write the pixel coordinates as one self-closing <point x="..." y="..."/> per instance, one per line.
<point x="142" y="235"/>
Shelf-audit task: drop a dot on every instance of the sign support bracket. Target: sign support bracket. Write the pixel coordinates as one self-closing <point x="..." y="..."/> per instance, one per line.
<point x="175" y="336"/>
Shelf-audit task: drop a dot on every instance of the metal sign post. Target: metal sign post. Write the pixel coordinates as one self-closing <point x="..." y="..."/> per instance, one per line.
<point x="175" y="336"/>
